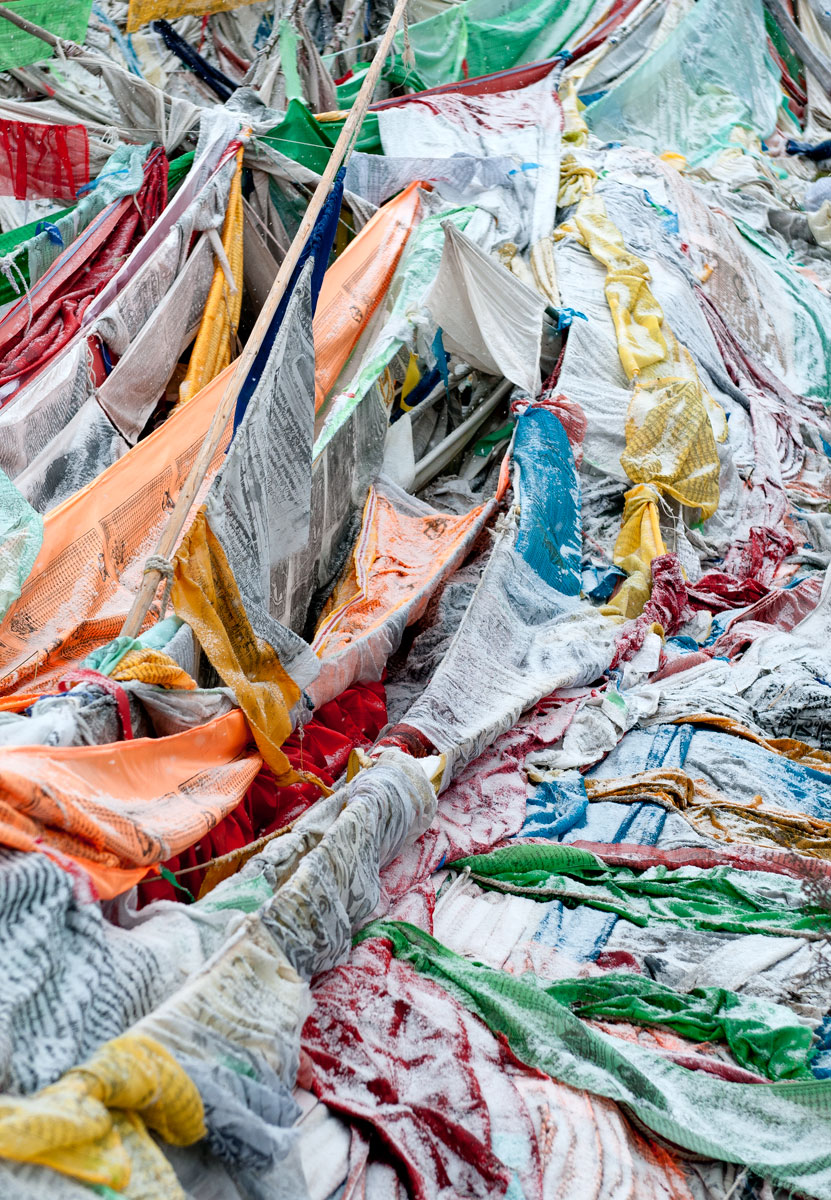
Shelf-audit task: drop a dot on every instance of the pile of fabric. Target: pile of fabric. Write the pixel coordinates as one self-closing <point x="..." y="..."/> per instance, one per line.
<point x="454" y="820"/>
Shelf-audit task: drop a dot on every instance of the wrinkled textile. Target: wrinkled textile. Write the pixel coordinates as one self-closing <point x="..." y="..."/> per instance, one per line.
<point x="716" y="815"/>
<point x="43" y="160"/>
<point x="21" y="537"/>
<point x="68" y="20"/>
<point x="520" y="640"/>
<point x="702" y="81"/>
<point x="487" y="316"/>
<point x="71" y="1125"/>
<point x="142" y="11"/>
<point x="549" y="498"/>
<point x="388" y="1051"/>
<point x="772" y="1129"/>
<point x="761" y="1037"/>
<point x="118" y="809"/>
<point x="405" y="550"/>
<point x="205" y="595"/>
<point x="718" y="899"/>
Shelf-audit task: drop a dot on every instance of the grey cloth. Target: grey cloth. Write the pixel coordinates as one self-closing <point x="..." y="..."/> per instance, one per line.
<point x="259" y="505"/>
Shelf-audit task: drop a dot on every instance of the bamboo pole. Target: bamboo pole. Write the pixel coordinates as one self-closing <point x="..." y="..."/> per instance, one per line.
<point x="172" y="531"/>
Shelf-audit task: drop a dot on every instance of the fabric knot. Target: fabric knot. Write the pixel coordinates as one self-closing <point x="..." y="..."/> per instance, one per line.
<point x="157" y="562"/>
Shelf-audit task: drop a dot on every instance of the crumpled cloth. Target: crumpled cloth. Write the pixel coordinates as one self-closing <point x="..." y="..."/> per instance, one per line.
<point x="719" y="898"/>
<point x="780" y="1130"/>
<point x="92" y="1124"/>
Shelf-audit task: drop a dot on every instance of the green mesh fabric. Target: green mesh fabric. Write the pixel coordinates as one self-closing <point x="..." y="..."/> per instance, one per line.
<point x="780" y="1130"/>
<point x="719" y="898"/>
<point x="763" y="1037"/>
<point x="66" y="18"/>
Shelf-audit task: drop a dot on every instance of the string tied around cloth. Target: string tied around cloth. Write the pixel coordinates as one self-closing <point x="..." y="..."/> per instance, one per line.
<point x="157" y="562"/>
<point x="408" y="57"/>
<point x="8" y="264"/>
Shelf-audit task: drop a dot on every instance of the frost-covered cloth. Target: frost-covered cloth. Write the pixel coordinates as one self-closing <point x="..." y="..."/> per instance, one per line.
<point x="71" y="979"/>
<point x="259" y="505"/>
<point x="719" y="898"/>
<point x="519" y="640"/>
<point x="772" y="1129"/>
<point x="404" y="551"/>
<point x="21" y="536"/>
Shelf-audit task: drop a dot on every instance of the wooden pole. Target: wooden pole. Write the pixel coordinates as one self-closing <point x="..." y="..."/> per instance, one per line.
<point x="172" y="531"/>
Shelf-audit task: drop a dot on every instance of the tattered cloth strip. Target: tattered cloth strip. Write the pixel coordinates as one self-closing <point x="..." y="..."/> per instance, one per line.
<point x="142" y="11"/>
<point x="356" y="284"/>
<point x="49" y="317"/>
<point x="205" y="595"/>
<point x="50" y="161"/>
<point x="780" y="1130"/>
<point x="21" y="537"/>
<point x="718" y="899"/>
<point x="716" y="815"/>
<point x="94" y="548"/>
<point x="215" y="343"/>
<point x="763" y="1037"/>
<point x="404" y="552"/>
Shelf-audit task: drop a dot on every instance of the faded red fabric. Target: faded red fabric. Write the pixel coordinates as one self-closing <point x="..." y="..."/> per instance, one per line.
<point x="35" y="330"/>
<point x="758" y="558"/>
<point x="483" y="805"/>
<point x="785" y="607"/>
<point x="743" y="857"/>
<point x="391" y="1048"/>
<point x="717" y="592"/>
<point x="667" y="606"/>
<point x="49" y="162"/>
<point x="352" y="719"/>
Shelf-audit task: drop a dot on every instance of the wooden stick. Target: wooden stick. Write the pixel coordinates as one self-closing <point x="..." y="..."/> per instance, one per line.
<point x="172" y="531"/>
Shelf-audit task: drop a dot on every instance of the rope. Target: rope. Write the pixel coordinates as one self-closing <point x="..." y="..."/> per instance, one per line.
<point x="157" y="562"/>
<point x="6" y="265"/>
<point x="408" y="57"/>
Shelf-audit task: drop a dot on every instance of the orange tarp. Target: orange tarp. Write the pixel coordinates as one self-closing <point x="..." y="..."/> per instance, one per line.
<point x="355" y="285"/>
<point x="399" y="560"/>
<point x="118" y="809"/>
<point x="94" y="548"/>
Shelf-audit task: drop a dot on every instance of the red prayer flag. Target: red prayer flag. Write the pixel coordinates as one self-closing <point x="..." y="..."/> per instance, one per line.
<point x="43" y="161"/>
